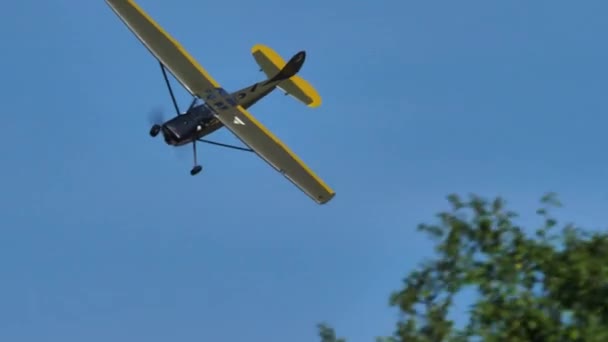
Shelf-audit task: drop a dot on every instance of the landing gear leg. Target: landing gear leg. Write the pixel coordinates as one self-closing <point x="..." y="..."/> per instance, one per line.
<point x="197" y="168"/>
<point x="154" y="130"/>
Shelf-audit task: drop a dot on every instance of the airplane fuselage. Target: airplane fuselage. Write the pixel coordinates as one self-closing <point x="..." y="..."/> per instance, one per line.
<point x="200" y="120"/>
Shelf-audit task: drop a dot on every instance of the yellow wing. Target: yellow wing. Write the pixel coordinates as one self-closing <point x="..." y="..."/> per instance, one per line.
<point x="165" y="48"/>
<point x="273" y="151"/>
<point x="199" y="83"/>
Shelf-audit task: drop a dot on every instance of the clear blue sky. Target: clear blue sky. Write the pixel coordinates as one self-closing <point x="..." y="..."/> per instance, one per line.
<point x="106" y="236"/>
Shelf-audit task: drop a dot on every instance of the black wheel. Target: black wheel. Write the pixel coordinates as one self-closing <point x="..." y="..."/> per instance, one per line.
<point x="196" y="170"/>
<point x="154" y="130"/>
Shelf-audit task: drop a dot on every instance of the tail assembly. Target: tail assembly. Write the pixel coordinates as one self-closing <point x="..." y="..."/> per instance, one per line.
<point x="276" y="69"/>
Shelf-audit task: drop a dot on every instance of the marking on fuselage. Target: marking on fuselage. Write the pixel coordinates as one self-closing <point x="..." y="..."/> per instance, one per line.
<point x="238" y="121"/>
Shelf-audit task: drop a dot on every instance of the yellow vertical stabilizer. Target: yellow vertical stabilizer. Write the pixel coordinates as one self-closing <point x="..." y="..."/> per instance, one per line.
<point x="271" y="63"/>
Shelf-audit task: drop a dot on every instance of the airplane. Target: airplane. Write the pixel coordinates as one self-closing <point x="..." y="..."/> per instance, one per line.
<point x="213" y="107"/>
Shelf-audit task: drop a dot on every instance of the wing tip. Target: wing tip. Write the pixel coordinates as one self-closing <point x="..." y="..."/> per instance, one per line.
<point x="316" y="102"/>
<point x="257" y="47"/>
<point x="324" y="199"/>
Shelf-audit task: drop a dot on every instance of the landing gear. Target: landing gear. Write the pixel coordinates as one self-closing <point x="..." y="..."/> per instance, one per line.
<point x="154" y="130"/>
<point x="196" y="170"/>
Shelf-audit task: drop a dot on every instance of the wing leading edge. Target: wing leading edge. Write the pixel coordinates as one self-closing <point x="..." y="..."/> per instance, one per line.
<point x="165" y="48"/>
<point x="199" y="83"/>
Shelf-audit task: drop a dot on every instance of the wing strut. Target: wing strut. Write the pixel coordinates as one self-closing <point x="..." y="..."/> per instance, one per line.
<point x="162" y="67"/>
<point x="226" y="145"/>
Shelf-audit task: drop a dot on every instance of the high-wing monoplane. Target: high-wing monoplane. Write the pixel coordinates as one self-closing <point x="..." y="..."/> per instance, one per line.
<point x="213" y="107"/>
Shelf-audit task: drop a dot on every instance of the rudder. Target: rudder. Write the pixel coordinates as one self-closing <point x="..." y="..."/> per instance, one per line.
<point x="273" y="65"/>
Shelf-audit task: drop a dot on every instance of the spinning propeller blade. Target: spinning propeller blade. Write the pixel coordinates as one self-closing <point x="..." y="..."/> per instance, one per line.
<point x="156" y="116"/>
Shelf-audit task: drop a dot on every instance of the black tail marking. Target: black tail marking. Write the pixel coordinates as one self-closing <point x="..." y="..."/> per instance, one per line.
<point x="291" y="68"/>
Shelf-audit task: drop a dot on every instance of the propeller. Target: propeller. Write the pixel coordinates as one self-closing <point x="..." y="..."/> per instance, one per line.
<point x="156" y="116"/>
<point x="159" y="118"/>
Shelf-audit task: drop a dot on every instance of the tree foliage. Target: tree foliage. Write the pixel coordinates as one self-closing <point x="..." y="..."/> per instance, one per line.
<point x="545" y="284"/>
<point x="328" y="334"/>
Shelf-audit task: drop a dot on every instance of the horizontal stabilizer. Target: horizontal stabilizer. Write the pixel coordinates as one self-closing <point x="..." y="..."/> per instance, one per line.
<point x="272" y="63"/>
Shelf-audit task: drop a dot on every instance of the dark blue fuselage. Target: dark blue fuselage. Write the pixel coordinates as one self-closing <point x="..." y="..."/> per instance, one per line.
<point x="200" y="120"/>
<point x="184" y="128"/>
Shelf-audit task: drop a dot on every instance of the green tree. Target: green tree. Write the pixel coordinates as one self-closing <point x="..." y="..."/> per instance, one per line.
<point x="545" y="284"/>
<point x="327" y="334"/>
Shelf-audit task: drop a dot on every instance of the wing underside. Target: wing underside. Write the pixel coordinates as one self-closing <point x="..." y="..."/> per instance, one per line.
<point x="199" y="83"/>
<point x="164" y="47"/>
<point x="274" y="152"/>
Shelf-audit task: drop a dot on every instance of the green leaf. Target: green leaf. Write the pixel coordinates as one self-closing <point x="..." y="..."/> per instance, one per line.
<point x="529" y="284"/>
